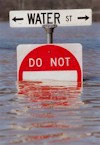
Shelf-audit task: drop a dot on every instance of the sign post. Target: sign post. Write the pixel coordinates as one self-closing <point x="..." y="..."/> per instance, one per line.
<point x="49" y="31"/>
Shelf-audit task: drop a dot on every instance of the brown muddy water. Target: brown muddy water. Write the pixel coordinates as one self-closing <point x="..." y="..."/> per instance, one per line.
<point x="40" y="115"/>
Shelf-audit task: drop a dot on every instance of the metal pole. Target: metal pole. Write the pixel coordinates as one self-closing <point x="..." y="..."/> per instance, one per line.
<point x="49" y="31"/>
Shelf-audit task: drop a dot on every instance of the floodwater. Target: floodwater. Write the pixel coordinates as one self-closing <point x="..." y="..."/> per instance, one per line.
<point x="35" y="114"/>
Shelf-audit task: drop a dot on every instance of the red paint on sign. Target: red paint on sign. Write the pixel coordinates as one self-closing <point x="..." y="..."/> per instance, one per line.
<point x="50" y="58"/>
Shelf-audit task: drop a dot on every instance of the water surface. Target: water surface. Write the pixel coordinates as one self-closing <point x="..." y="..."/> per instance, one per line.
<point x="40" y="115"/>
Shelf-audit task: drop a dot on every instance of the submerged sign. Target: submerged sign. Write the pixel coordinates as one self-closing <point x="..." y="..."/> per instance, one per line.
<point x="59" y="62"/>
<point x="37" y="18"/>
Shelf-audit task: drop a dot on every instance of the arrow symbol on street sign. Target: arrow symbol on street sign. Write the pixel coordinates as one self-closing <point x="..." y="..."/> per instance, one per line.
<point x="86" y="17"/>
<point x="17" y="19"/>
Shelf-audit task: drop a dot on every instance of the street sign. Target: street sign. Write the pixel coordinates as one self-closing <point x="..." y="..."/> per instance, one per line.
<point x="60" y="62"/>
<point x="38" y="18"/>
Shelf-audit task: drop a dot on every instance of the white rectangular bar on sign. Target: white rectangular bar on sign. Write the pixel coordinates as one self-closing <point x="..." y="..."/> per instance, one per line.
<point x="52" y="75"/>
<point x="37" y="18"/>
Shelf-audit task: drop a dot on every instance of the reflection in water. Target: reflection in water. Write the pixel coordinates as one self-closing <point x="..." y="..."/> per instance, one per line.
<point x="50" y="96"/>
<point x="44" y="115"/>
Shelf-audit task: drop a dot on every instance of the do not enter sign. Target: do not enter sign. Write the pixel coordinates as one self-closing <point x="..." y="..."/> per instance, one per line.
<point x="62" y="62"/>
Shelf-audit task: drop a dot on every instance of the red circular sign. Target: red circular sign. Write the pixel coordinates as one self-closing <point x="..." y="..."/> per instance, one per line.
<point x="50" y="58"/>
